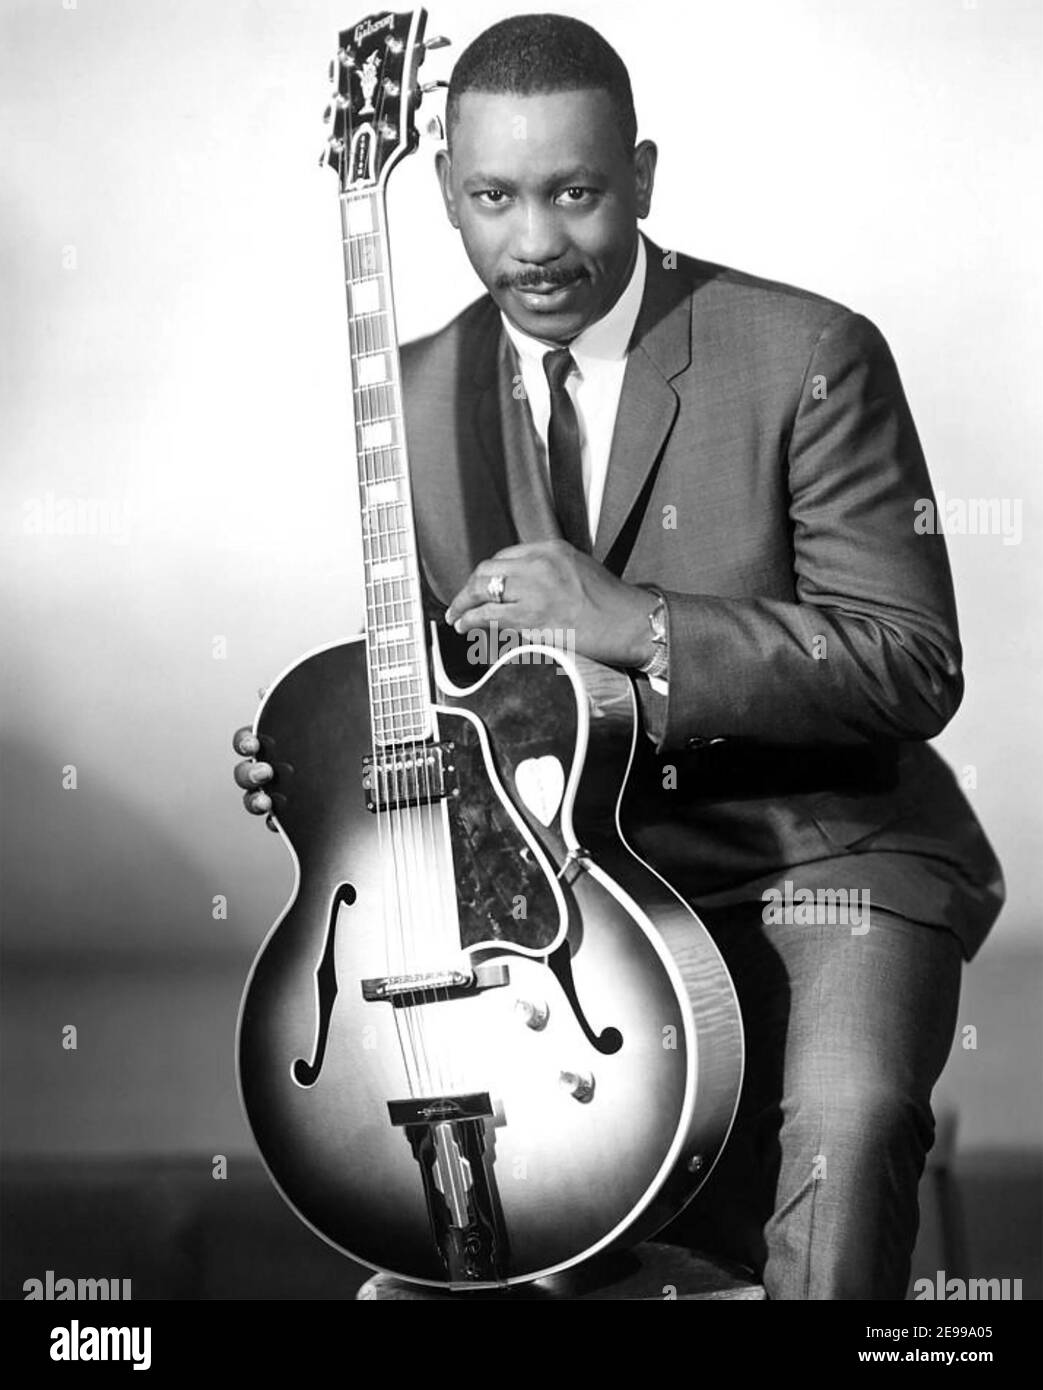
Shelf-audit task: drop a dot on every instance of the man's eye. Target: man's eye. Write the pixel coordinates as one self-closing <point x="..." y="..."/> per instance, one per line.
<point x="576" y="194"/>
<point x="492" y="197"/>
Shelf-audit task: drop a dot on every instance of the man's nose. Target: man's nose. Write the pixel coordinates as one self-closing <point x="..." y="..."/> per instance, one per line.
<point x="537" y="238"/>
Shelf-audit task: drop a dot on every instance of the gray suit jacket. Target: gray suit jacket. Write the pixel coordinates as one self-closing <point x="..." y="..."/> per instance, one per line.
<point x="763" y="473"/>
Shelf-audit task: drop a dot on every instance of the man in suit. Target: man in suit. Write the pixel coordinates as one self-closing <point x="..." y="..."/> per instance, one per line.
<point x="710" y="480"/>
<point x="747" y="475"/>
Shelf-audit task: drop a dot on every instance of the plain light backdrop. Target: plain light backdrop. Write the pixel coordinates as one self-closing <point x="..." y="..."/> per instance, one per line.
<point x="174" y="357"/>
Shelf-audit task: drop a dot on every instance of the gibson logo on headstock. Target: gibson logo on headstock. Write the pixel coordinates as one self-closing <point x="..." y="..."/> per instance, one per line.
<point x="372" y="26"/>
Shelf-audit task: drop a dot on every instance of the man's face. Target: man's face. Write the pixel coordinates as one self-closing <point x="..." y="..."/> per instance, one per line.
<point x="547" y="201"/>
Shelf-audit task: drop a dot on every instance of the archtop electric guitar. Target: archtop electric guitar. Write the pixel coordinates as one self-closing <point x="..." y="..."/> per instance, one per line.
<point x="484" y="1040"/>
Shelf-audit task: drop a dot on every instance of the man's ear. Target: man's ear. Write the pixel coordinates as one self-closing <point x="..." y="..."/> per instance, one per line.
<point x="444" y="170"/>
<point x="645" y="156"/>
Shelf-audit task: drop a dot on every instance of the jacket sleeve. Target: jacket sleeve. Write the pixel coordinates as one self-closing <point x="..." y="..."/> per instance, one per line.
<point x="869" y="649"/>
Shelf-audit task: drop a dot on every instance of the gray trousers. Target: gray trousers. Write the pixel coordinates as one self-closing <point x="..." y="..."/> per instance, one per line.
<point x="846" y="1035"/>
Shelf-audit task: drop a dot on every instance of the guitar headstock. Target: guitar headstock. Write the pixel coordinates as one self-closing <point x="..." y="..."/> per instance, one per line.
<point x="375" y="96"/>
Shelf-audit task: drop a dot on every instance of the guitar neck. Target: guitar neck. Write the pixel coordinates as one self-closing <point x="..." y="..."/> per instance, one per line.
<point x="399" y="684"/>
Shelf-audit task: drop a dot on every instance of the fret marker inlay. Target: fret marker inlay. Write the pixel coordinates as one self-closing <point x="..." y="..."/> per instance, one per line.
<point x="387" y="569"/>
<point x="377" y="436"/>
<point x="365" y="296"/>
<point x="372" y="369"/>
<point x="377" y="493"/>
<point x="359" y="216"/>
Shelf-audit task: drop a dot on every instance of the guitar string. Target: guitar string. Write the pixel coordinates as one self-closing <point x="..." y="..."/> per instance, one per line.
<point x="399" y="751"/>
<point x="406" y="849"/>
<point x="385" y="841"/>
<point x="404" y="825"/>
<point x="404" y="747"/>
<point x="386" y="597"/>
<point x="386" y="604"/>
<point x="417" y="817"/>
<point x="444" y="928"/>
<point x="375" y="778"/>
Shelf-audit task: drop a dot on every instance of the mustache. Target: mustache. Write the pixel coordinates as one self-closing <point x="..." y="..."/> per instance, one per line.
<point x="551" y="275"/>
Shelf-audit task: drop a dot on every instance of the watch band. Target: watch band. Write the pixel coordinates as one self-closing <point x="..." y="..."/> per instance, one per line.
<point x="658" y="663"/>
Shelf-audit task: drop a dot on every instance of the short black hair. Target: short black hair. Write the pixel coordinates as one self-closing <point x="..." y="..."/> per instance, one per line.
<point x="533" y="53"/>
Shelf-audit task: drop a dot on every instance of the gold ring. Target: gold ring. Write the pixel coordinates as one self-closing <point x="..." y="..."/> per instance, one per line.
<point x="495" y="588"/>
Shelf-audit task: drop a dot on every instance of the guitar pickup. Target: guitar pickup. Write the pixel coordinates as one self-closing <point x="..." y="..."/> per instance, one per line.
<point x="414" y="775"/>
<point x="426" y="988"/>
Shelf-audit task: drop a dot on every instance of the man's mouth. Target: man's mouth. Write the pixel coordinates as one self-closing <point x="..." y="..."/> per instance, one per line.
<point x="546" y="295"/>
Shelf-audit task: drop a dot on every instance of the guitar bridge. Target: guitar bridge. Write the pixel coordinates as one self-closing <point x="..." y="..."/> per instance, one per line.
<point x="435" y="985"/>
<point x="411" y="775"/>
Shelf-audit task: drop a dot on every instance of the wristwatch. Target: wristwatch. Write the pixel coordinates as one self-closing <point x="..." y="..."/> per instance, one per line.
<point x="658" y="663"/>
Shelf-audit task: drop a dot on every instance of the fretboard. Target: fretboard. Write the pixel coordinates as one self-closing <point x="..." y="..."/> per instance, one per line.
<point x="399" y="690"/>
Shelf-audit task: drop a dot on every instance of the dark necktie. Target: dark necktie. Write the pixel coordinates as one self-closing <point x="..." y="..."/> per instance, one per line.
<point x="563" y="452"/>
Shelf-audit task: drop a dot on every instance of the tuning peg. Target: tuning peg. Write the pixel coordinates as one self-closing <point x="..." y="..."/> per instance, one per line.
<point x="344" y="56"/>
<point x="433" y="86"/>
<point x="337" y="103"/>
<point x="439" y="41"/>
<point x="436" y="128"/>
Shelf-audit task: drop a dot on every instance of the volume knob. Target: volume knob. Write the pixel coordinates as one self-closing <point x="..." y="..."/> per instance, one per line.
<point x="535" y="1012"/>
<point x="579" y="1084"/>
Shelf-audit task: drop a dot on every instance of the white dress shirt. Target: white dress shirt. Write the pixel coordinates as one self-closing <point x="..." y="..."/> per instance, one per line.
<point x="600" y="354"/>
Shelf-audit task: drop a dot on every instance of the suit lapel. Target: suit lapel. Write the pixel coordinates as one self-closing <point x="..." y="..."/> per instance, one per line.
<point x="660" y="349"/>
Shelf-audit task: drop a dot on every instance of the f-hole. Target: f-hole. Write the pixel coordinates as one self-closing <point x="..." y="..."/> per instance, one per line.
<point x="306" y="1073"/>
<point x="609" y="1040"/>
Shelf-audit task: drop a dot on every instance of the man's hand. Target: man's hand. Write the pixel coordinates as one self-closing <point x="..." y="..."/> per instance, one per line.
<point x="251" y="774"/>
<point x="548" y="584"/>
<point x="551" y="584"/>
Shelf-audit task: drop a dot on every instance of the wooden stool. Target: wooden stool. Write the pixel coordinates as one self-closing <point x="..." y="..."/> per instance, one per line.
<point x="648" y="1272"/>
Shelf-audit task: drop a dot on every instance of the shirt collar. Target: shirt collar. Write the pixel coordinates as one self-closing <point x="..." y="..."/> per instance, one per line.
<point x="605" y="340"/>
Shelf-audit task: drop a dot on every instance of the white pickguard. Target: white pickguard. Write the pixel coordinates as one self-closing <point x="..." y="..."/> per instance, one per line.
<point x="541" y="785"/>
